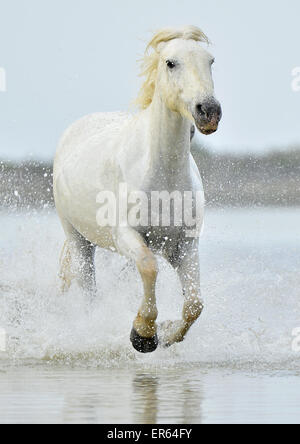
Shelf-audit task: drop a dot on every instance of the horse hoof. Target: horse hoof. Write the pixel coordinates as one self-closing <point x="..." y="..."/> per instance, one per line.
<point x="143" y="345"/>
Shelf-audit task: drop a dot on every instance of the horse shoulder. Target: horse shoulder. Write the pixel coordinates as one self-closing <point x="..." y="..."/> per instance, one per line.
<point x="88" y="138"/>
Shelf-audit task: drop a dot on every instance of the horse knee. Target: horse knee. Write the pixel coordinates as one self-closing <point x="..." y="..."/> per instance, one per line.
<point x="192" y="310"/>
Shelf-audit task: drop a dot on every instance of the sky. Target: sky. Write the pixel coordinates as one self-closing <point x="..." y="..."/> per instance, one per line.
<point x="67" y="58"/>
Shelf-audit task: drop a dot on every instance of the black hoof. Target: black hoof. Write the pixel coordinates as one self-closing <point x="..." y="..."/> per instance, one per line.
<point x="143" y="345"/>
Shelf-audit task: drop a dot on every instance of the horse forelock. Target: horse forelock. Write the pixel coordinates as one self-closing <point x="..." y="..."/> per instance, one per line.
<point x="151" y="58"/>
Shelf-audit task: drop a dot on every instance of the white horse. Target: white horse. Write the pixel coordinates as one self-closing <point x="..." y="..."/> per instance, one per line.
<point x="148" y="151"/>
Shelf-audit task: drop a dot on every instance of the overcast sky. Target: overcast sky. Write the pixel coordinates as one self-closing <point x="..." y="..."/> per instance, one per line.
<point x="66" y="58"/>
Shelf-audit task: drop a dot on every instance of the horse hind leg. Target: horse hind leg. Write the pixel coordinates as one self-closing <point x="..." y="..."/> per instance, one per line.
<point x="77" y="262"/>
<point x="65" y="273"/>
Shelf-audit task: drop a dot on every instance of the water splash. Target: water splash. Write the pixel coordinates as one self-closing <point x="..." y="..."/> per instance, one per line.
<point x="250" y="283"/>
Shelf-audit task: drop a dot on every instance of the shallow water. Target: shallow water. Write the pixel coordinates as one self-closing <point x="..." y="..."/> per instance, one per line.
<point x="177" y="395"/>
<point x="66" y="364"/>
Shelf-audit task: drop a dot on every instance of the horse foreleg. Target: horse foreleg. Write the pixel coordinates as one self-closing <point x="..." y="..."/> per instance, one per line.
<point x="144" y="331"/>
<point x="188" y="269"/>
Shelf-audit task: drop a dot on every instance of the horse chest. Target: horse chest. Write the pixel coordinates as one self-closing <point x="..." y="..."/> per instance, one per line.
<point x="164" y="239"/>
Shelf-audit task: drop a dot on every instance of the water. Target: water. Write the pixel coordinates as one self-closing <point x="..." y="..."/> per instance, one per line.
<point x="64" y="364"/>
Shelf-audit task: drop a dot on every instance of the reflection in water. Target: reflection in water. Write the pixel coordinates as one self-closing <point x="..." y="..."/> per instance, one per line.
<point x="102" y="396"/>
<point x="169" y="398"/>
<point x="192" y="405"/>
<point x="145" y="400"/>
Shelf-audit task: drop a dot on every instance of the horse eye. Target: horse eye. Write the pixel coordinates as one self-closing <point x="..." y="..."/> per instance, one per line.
<point x="170" y="64"/>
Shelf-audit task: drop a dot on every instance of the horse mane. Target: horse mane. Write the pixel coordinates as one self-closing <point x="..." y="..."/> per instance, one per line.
<point x="150" y="61"/>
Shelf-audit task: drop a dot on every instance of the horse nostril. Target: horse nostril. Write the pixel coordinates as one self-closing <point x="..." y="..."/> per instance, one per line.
<point x="200" y="110"/>
<point x="209" y="110"/>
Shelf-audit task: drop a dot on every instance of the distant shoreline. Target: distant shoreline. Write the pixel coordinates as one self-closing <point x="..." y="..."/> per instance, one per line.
<point x="229" y="180"/>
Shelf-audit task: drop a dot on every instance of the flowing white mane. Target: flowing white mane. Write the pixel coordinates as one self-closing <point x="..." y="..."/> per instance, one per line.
<point x="151" y="59"/>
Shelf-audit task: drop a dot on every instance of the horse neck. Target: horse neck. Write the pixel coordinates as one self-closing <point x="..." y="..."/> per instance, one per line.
<point x="169" y="139"/>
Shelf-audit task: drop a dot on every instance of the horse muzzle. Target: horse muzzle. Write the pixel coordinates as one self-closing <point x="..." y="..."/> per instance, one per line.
<point x="207" y="116"/>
